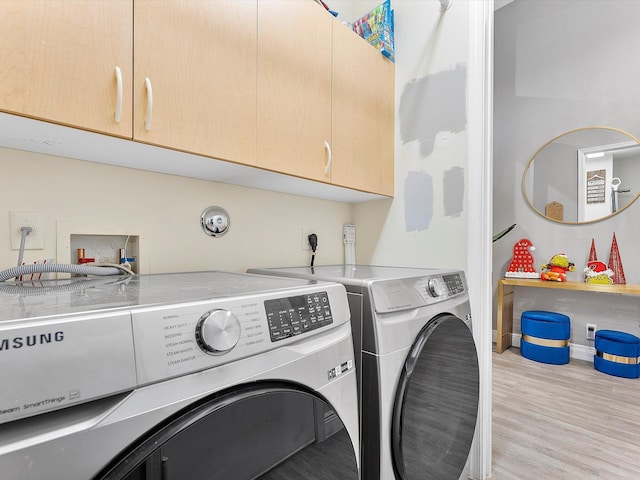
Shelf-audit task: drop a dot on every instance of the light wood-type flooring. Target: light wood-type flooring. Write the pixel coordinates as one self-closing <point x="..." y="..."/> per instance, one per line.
<point x="557" y="422"/>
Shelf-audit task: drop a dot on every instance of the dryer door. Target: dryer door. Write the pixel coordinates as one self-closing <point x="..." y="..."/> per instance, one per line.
<point x="436" y="403"/>
<point x="267" y="431"/>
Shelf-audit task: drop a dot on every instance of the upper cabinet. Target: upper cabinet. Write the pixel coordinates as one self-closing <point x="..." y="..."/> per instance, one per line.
<point x="325" y="100"/>
<point x="294" y="88"/>
<point x="363" y="115"/>
<point x="68" y="62"/>
<point x="277" y="84"/>
<point x="195" y="76"/>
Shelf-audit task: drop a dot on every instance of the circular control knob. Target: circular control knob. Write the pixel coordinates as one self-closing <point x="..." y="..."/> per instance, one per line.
<point x="217" y="331"/>
<point x="436" y="287"/>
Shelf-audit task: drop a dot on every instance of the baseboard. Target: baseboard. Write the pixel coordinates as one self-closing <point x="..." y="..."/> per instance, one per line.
<point x="579" y="352"/>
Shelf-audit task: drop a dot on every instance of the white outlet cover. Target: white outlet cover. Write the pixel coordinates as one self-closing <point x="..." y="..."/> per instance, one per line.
<point x="35" y="240"/>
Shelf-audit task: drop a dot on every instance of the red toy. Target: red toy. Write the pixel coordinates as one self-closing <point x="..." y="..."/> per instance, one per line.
<point x="557" y="268"/>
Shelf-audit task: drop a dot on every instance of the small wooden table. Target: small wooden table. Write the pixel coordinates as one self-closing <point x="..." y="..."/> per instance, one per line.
<point x="506" y="295"/>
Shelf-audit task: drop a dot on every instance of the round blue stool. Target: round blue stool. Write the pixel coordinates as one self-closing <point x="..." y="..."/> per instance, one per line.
<point x="545" y="336"/>
<point x="617" y="353"/>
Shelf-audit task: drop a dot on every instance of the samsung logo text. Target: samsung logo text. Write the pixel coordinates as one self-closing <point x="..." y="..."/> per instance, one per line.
<point x="31" y="340"/>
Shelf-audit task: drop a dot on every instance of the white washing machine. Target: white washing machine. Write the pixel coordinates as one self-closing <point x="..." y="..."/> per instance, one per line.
<point x="179" y="376"/>
<point x="417" y="365"/>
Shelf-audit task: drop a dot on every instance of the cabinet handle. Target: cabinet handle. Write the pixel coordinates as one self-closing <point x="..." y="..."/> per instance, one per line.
<point x="119" y="96"/>
<point x="147" y="120"/>
<point x="327" y="167"/>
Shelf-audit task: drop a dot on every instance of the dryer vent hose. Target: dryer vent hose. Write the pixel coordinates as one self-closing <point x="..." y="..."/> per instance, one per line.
<point x="62" y="268"/>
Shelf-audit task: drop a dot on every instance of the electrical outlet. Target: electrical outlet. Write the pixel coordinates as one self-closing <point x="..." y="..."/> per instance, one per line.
<point x="35" y="239"/>
<point x="591" y="331"/>
<point x="305" y="237"/>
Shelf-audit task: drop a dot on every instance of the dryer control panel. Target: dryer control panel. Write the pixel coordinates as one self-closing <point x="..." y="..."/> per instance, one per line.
<point x="392" y="295"/>
<point x="454" y="283"/>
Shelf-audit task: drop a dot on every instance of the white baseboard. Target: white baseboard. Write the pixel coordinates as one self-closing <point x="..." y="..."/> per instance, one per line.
<point x="579" y="352"/>
<point x="582" y="352"/>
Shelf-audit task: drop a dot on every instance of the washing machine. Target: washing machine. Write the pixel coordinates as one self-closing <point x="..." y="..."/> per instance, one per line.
<point x="417" y="364"/>
<point x="207" y="375"/>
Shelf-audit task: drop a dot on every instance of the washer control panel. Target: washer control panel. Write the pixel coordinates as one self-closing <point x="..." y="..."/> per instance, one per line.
<point x="292" y="316"/>
<point x="179" y="339"/>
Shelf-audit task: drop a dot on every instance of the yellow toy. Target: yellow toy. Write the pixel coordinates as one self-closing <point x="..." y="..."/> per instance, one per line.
<point x="556" y="268"/>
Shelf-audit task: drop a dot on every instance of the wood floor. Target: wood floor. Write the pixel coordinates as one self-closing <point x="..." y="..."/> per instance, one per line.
<point x="556" y="422"/>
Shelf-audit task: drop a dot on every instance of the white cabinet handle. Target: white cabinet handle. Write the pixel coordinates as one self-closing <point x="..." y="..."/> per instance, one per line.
<point x="327" y="167"/>
<point x="147" y="121"/>
<point x="119" y="97"/>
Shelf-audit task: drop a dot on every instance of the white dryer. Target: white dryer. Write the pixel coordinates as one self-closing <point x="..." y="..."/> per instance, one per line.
<point x="179" y="376"/>
<point x="417" y="366"/>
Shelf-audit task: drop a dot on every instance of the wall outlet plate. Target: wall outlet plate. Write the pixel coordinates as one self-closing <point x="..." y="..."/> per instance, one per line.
<point x="35" y="240"/>
<point x="591" y="331"/>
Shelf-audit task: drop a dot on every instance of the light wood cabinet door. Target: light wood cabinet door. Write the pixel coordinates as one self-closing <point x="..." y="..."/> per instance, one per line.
<point x="294" y="88"/>
<point x="58" y="62"/>
<point x="200" y="61"/>
<point x="363" y="115"/>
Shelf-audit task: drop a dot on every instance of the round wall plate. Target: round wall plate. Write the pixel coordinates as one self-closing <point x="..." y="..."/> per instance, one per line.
<point x="215" y="221"/>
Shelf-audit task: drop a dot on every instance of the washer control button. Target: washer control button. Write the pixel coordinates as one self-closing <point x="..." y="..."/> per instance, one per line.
<point x="436" y="287"/>
<point x="217" y="331"/>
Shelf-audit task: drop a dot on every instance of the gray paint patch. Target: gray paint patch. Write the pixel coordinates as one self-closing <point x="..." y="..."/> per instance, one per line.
<point x="433" y="104"/>
<point x="418" y="201"/>
<point x="453" y="188"/>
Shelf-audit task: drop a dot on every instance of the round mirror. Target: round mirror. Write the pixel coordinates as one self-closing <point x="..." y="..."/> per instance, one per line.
<point x="584" y="175"/>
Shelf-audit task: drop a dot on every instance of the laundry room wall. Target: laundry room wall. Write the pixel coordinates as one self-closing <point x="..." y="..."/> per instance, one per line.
<point x="425" y="225"/>
<point x="580" y="72"/>
<point x="164" y="210"/>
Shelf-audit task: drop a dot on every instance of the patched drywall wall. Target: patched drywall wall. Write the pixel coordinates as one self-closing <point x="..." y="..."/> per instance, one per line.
<point x="453" y="189"/>
<point x="433" y="104"/>
<point x="425" y="224"/>
<point x="418" y="193"/>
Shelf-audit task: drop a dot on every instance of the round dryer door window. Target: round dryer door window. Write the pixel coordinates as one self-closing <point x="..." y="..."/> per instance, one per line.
<point x="436" y="403"/>
<point x="266" y="431"/>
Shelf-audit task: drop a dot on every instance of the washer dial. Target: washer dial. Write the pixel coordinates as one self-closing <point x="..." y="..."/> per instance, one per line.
<point x="218" y="331"/>
<point x="436" y="287"/>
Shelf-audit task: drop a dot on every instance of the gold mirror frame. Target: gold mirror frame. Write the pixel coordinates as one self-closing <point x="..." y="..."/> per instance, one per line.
<point x="530" y="162"/>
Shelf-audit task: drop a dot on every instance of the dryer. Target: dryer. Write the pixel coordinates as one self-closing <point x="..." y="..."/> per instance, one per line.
<point x="177" y="376"/>
<point x="417" y="364"/>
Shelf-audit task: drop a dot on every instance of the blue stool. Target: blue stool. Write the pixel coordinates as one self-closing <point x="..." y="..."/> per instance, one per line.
<point x="617" y="353"/>
<point x="545" y="337"/>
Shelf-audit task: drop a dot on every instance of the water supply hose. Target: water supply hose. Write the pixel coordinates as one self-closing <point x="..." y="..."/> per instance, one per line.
<point x="24" y="231"/>
<point x="96" y="269"/>
<point x="67" y="285"/>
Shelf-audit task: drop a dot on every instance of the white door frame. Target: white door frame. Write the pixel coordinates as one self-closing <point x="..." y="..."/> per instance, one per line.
<point x="480" y="215"/>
